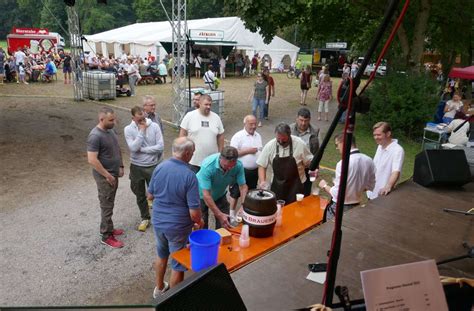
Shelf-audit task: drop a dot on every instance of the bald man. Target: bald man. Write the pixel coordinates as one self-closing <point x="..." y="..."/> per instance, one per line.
<point x="248" y="144"/>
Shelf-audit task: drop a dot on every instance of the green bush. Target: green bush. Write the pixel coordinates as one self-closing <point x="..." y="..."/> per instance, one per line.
<point x="407" y="102"/>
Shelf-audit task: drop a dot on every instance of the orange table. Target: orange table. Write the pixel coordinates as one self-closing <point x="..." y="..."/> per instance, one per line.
<point x="297" y="218"/>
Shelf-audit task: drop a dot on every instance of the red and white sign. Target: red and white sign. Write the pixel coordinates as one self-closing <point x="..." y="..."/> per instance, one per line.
<point x="206" y="34"/>
<point x="30" y="31"/>
<point x="259" y="220"/>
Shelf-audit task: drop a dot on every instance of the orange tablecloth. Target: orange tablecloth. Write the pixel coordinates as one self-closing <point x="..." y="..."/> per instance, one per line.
<point x="297" y="218"/>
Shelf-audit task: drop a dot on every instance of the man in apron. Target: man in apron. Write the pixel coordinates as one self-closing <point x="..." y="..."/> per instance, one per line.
<point x="289" y="156"/>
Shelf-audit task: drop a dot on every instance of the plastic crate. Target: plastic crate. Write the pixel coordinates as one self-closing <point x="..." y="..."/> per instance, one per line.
<point x="99" y="85"/>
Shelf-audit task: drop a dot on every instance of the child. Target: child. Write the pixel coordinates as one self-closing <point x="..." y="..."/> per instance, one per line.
<point x="22" y="72"/>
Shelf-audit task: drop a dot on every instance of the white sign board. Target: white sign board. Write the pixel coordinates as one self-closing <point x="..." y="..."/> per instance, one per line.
<point x="408" y="287"/>
<point x="206" y="34"/>
<point x="336" y="45"/>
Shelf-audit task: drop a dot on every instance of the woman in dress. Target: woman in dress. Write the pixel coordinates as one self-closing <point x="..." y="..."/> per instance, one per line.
<point x="324" y="95"/>
<point x="305" y="84"/>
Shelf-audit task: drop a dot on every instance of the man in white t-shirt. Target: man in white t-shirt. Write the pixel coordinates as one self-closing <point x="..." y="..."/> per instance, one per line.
<point x="19" y="59"/>
<point x="222" y="64"/>
<point x="205" y="128"/>
<point x="209" y="78"/>
<point x="388" y="160"/>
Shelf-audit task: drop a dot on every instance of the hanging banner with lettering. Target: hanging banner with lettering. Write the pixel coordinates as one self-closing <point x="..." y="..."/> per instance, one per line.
<point x="30" y="31"/>
<point x="198" y="34"/>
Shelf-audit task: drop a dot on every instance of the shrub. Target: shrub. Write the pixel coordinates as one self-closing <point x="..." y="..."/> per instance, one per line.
<point x="407" y="102"/>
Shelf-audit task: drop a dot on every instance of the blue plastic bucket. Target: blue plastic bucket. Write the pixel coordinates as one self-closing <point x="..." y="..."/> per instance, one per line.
<point x="204" y="248"/>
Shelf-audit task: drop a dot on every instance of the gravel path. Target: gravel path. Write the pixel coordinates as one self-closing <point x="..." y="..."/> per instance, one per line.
<point x="49" y="216"/>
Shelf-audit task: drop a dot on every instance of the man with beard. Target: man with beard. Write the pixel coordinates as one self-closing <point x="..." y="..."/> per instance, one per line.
<point x="205" y="128"/>
<point x="289" y="156"/>
<point x="105" y="157"/>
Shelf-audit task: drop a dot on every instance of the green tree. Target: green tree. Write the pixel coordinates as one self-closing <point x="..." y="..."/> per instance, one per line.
<point x="53" y="16"/>
<point x="197" y="9"/>
<point x="96" y="17"/>
<point x="151" y="10"/>
<point x="405" y="101"/>
<point x="356" y="22"/>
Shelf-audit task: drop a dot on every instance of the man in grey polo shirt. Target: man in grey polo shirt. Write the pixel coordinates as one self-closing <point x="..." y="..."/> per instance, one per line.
<point x="145" y="141"/>
<point x="303" y="129"/>
<point x="104" y="155"/>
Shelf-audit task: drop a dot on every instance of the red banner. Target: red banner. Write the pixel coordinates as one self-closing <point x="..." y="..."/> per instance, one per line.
<point x="30" y="31"/>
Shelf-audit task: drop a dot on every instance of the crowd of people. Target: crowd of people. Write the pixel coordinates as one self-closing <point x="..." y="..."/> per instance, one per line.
<point x="205" y="177"/>
<point x="24" y="67"/>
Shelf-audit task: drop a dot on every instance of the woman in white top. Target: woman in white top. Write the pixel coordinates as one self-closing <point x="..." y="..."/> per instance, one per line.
<point x="459" y="137"/>
<point x="452" y="106"/>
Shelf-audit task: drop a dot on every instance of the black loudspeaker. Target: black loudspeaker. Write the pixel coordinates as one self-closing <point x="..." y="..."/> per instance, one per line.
<point x="435" y="167"/>
<point x="209" y="289"/>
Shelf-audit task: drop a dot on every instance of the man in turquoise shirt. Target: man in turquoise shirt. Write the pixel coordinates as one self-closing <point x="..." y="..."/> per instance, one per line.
<point x="217" y="172"/>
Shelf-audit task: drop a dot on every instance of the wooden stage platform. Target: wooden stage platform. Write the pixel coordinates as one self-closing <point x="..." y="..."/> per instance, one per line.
<point x="408" y="225"/>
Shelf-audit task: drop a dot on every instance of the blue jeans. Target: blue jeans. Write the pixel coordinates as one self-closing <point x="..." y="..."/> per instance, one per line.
<point x="258" y="103"/>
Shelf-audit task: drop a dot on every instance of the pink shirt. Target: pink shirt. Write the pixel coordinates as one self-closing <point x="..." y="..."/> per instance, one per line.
<point x="325" y="90"/>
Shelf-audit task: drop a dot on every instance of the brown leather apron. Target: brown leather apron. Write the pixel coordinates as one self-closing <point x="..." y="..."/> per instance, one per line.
<point x="286" y="179"/>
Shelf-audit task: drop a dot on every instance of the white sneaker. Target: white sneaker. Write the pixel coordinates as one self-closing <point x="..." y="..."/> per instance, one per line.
<point x="157" y="292"/>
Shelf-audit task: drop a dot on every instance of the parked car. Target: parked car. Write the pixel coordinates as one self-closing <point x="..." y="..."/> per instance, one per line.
<point x="381" y="71"/>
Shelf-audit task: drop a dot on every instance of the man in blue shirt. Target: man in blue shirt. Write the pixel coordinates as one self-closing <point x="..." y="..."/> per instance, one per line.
<point x="174" y="188"/>
<point x="49" y="70"/>
<point x="217" y="172"/>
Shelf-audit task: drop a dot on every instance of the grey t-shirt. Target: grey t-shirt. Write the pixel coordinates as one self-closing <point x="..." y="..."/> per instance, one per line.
<point x="261" y="90"/>
<point x="106" y="144"/>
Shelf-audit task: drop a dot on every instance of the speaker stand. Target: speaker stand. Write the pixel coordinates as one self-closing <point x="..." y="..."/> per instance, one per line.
<point x="468" y="213"/>
<point x="470" y="254"/>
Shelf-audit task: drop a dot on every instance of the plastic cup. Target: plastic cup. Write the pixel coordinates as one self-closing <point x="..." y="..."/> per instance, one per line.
<point x="280" y="203"/>
<point x="299" y="197"/>
<point x="244" y="240"/>
<point x="204" y="246"/>
<point x="316" y="192"/>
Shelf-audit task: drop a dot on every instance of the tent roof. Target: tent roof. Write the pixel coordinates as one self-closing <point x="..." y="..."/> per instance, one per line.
<point x="155" y="32"/>
<point x="462" y="73"/>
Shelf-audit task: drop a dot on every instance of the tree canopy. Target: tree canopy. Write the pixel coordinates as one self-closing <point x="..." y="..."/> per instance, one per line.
<point x="445" y="26"/>
<point x="96" y="17"/>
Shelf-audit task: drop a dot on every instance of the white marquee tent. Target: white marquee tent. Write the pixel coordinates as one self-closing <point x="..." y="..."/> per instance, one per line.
<point x="139" y="38"/>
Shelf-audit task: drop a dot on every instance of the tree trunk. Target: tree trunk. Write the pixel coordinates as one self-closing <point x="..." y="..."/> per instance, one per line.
<point x="404" y="45"/>
<point x="419" y="35"/>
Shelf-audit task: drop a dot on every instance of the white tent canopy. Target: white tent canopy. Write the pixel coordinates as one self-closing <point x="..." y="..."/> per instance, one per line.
<point x="140" y="38"/>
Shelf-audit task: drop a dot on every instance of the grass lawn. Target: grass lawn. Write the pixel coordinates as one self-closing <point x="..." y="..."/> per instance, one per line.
<point x="3" y="44"/>
<point x="306" y="59"/>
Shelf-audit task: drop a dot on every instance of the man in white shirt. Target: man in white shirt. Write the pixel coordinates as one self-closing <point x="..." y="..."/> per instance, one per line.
<point x="19" y="59"/>
<point x="360" y="178"/>
<point x="388" y="160"/>
<point x="197" y="65"/>
<point x="145" y="141"/>
<point x="289" y="156"/>
<point x="209" y="78"/>
<point x="222" y="64"/>
<point x="205" y="128"/>
<point x="249" y="145"/>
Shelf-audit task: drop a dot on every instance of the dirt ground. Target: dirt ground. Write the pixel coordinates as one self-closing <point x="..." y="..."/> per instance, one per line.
<point x="49" y="216"/>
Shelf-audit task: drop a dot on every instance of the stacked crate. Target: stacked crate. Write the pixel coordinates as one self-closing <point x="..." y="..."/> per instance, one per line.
<point x="99" y="85"/>
<point x="217" y="99"/>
